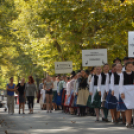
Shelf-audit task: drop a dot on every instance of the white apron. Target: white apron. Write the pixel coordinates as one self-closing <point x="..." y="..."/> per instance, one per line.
<point x="116" y="92"/>
<point x="93" y="94"/>
<point x="103" y="90"/>
<point x="129" y="96"/>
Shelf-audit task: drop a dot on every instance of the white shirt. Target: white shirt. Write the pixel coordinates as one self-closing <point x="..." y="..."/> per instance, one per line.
<point x="41" y="86"/>
<point x="64" y="85"/>
<point x="123" y="69"/>
<point x="55" y="86"/>
<point x="42" y="92"/>
<point x="92" y="84"/>
<point x="75" y="86"/>
<point x="89" y="79"/>
<point x="71" y="86"/>
<point x="112" y="81"/>
<point x="107" y="82"/>
<point x="67" y="88"/>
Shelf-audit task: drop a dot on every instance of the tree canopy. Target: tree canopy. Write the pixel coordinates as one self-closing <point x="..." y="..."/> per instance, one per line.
<point x="36" y="33"/>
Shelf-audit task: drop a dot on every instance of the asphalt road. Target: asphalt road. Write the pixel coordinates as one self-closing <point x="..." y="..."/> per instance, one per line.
<point x="55" y="123"/>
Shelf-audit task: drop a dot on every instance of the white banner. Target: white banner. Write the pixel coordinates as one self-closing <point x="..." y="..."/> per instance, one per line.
<point x="63" y="67"/>
<point x="131" y="44"/>
<point x="94" y="57"/>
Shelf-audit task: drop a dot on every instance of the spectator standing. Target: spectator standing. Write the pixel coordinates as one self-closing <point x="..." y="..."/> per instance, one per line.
<point x="10" y="96"/>
<point x="48" y="86"/>
<point x="30" y="90"/>
<point x="21" y="93"/>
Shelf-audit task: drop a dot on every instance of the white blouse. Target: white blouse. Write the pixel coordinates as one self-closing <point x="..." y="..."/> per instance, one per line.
<point x="99" y="83"/>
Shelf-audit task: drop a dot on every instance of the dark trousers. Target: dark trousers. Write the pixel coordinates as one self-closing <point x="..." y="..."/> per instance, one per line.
<point x="82" y="111"/>
<point x="91" y="111"/>
<point x="30" y="100"/>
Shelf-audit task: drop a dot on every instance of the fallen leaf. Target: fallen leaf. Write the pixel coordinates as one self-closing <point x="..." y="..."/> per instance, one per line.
<point x="73" y="121"/>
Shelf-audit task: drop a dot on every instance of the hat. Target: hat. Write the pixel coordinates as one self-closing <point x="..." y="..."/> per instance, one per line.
<point x="125" y="58"/>
<point x="130" y="58"/>
<point x="116" y="59"/>
<point x="87" y="72"/>
<point x="73" y="73"/>
<point x="92" y="69"/>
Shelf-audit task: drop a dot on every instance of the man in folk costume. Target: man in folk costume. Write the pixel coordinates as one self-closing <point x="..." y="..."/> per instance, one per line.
<point x="126" y="84"/>
<point x="95" y="91"/>
<point x="82" y="92"/>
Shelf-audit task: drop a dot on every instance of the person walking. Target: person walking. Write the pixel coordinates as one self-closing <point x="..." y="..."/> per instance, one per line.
<point x="54" y="93"/>
<point x="10" y="96"/>
<point x="21" y="93"/>
<point x="48" y="86"/>
<point x="30" y="90"/>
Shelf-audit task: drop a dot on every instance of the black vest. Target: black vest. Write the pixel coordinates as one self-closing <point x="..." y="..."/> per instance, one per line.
<point x="110" y="74"/>
<point x="128" y="78"/>
<point x="116" y="79"/>
<point x="103" y="79"/>
<point x="83" y="83"/>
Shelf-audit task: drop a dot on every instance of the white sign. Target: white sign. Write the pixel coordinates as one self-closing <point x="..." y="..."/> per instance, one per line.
<point x="63" y="67"/>
<point x="131" y="44"/>
<point x="94" y="57"/>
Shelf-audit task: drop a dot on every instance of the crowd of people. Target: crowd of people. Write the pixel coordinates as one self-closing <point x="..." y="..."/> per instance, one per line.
<point x="83" y="92"/>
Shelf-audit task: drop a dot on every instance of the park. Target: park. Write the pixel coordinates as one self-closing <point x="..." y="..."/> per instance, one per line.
<point x="83" y="50"/>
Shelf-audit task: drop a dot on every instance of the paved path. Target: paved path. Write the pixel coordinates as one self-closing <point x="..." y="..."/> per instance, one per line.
<point x="55" y="123"/>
